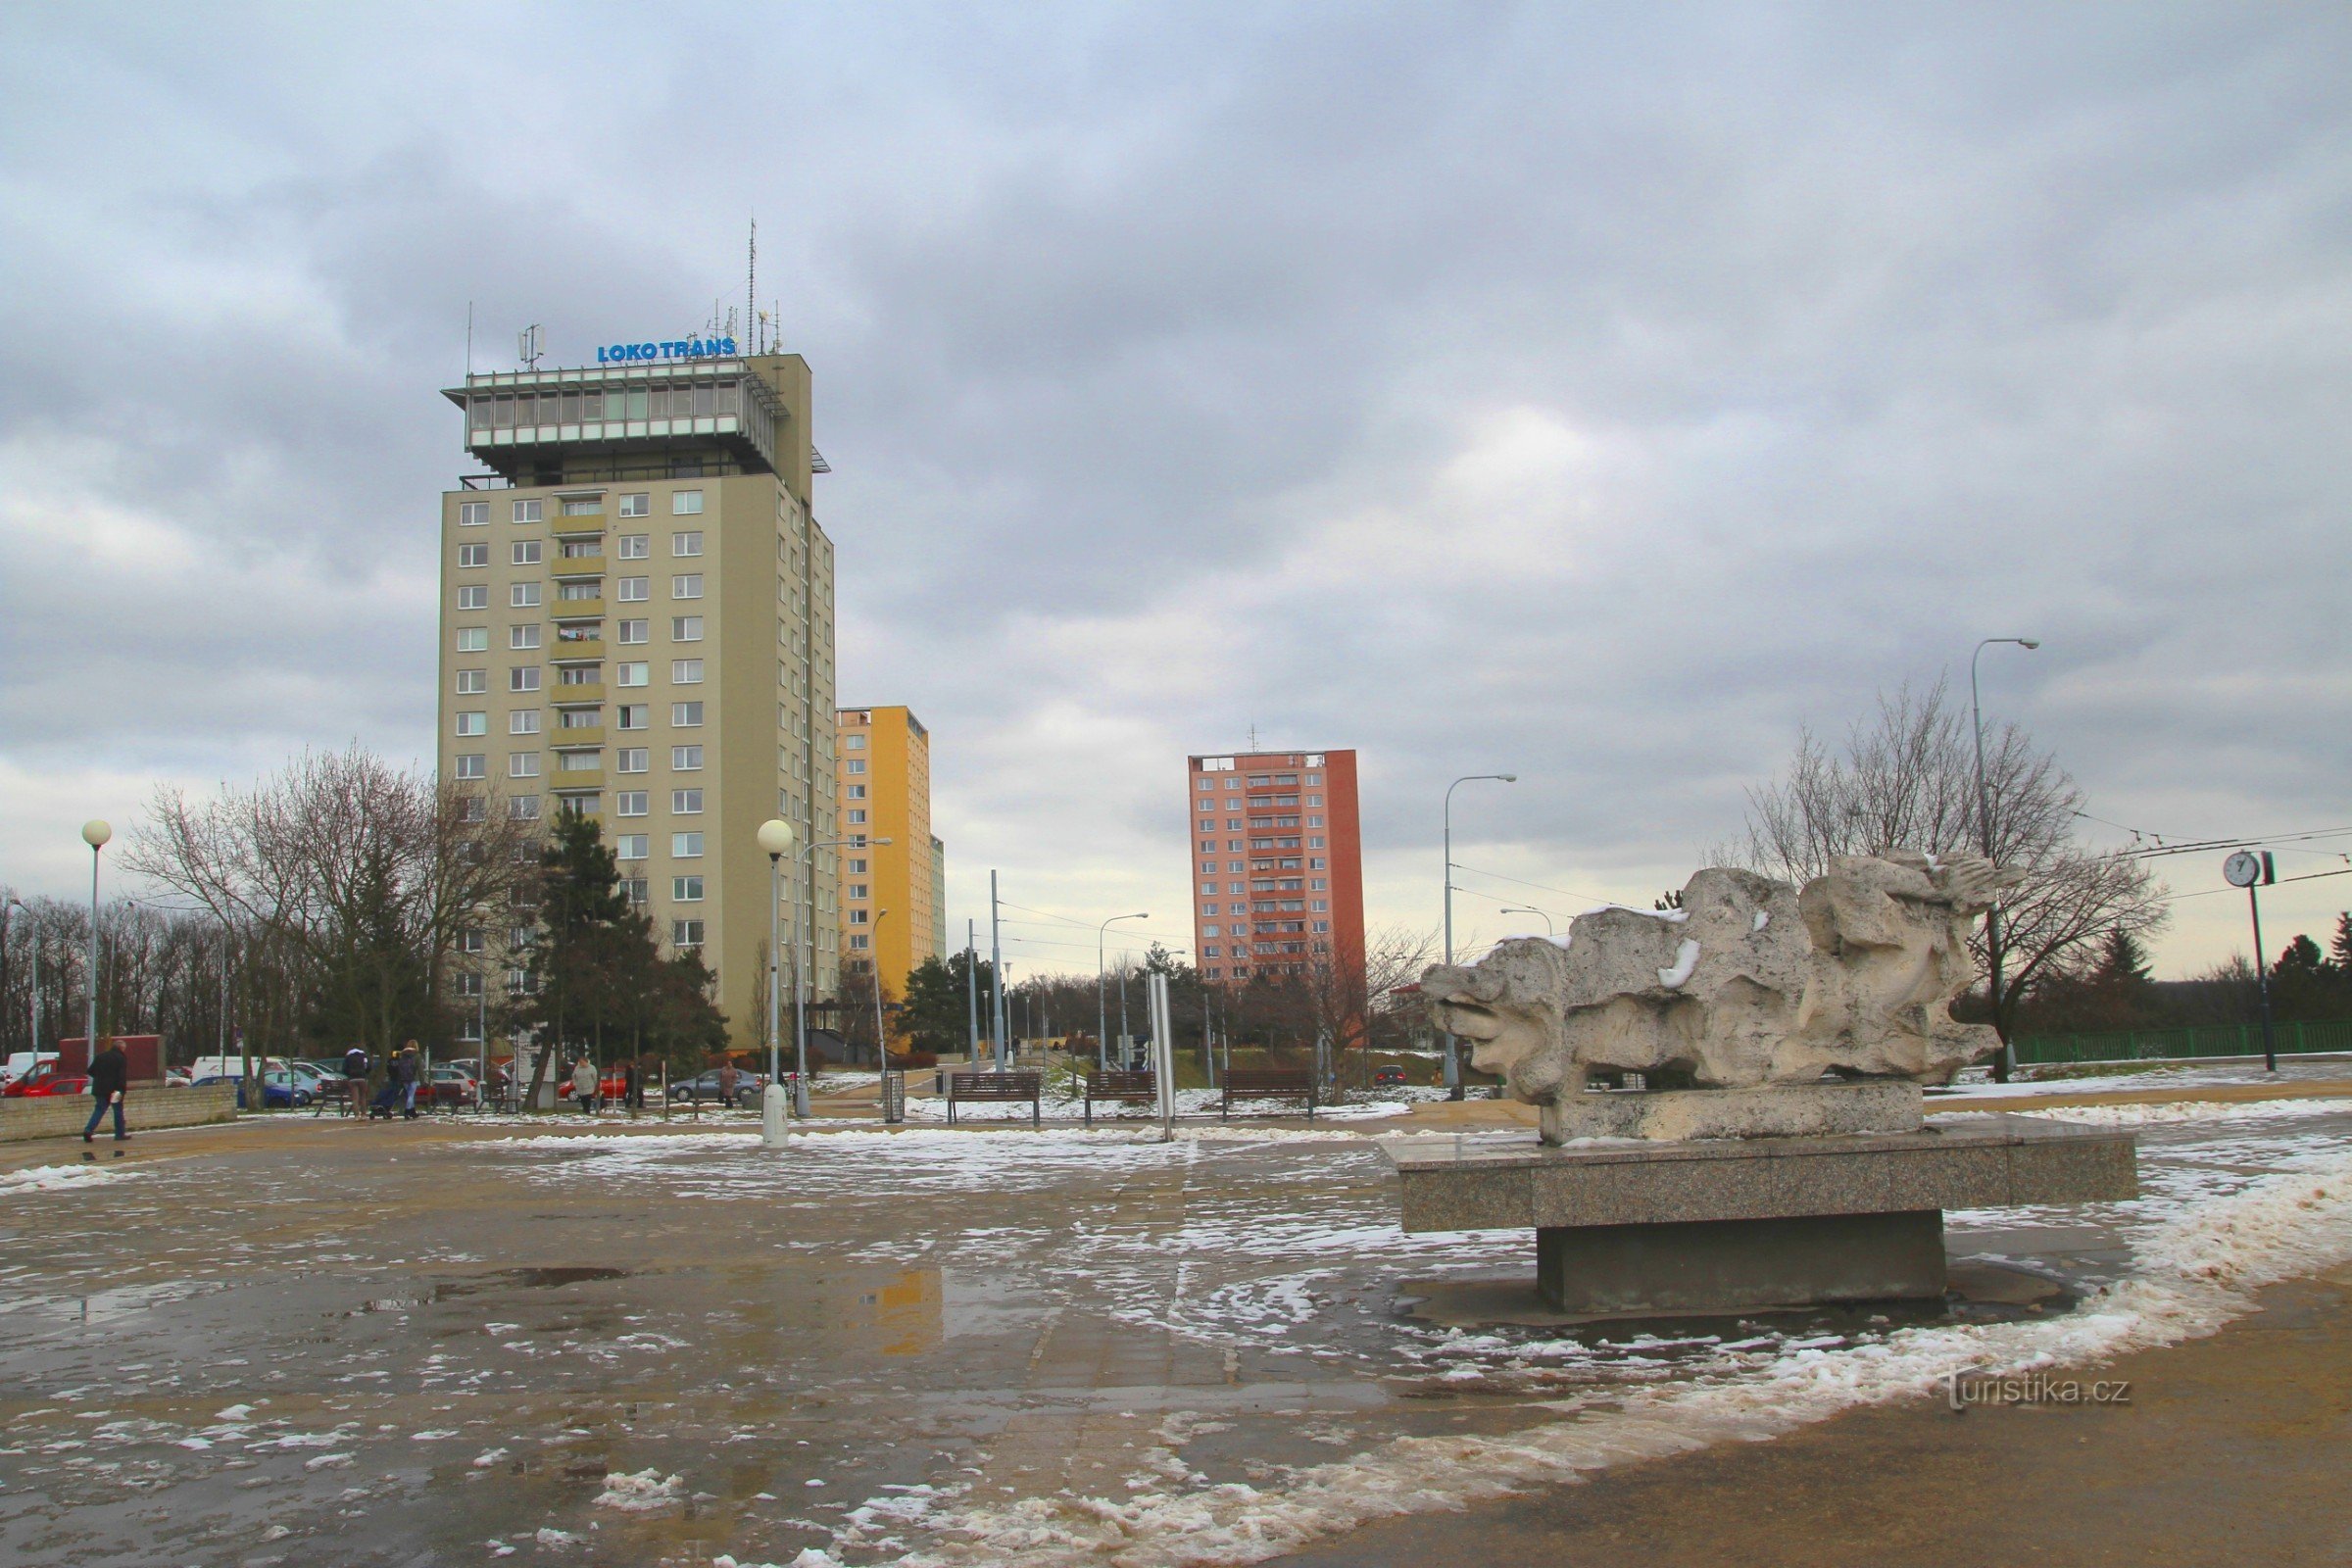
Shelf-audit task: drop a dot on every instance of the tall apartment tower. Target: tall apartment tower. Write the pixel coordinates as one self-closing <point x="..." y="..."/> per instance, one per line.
<point x="885" y="793"/>
<point x="1278" y="883"/>
<point x="637" y="625"/>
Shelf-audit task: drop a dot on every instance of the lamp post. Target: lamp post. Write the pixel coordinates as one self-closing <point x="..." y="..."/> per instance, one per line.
<point x="1529" y="909"/>
<point x="1453" y="1069"/>
<point x="881" y="1043"/>
<point x="775" y="837"/>
<point x="1992" y="916"/>
<point x="1102" y="1011"/>
<point x="95" y="833"/>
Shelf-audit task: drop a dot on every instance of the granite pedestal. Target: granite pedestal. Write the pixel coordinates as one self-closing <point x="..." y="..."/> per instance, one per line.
<point x="1741" y="1224"/>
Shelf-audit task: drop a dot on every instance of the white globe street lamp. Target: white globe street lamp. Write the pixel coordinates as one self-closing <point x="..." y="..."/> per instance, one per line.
<point x="95" y="833"/>
<point x="775" y="837"/>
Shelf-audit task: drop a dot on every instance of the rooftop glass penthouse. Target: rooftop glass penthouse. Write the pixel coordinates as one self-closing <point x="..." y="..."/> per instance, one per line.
<point x="677" y="419"/>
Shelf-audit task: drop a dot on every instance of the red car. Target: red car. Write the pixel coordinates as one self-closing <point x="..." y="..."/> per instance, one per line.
<point x="46" y="1080"/>
<point x="610" y="1088"/>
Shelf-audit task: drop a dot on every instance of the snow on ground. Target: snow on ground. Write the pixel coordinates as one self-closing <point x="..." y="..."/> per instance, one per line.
<point x="2194" y="1272"/>
<point x="59" y="1178"/>
<point x="2144" y="1114"/>
<point x="1977" y="1082"/>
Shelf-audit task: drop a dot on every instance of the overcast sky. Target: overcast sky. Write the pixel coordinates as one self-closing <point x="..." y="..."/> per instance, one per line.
<point x="1595" y="393"/>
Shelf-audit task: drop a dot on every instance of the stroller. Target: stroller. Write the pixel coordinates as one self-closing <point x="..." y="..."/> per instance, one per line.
<point x="386" y="1102"/>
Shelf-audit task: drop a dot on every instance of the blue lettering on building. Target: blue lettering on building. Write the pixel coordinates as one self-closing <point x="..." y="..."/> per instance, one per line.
<point x="693" y="348"/>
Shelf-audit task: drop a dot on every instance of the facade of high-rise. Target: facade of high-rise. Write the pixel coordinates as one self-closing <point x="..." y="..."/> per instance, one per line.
<point x="1278" y="875"/>
<point x="637" y="625"/>
<point x="892" y="891"/>
<point x="939" y="897"/>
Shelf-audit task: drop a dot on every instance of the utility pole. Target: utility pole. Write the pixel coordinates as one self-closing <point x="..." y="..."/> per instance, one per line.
<point x="1992" y="916"/>
<point x="972" y="987"/>
<point x="996" y="977"/>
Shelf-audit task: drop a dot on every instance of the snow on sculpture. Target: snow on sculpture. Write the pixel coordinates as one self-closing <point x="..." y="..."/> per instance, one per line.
<point x="1750" y="982"/>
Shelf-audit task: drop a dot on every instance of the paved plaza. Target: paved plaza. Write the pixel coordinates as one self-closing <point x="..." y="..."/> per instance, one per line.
<point x="308" y="1341"/>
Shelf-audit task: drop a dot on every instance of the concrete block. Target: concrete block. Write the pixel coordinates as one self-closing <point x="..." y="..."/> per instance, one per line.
<point x="1741" y="1265"/>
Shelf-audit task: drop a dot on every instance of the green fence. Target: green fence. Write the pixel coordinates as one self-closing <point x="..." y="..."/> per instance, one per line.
<point x="2207" y="1039"/>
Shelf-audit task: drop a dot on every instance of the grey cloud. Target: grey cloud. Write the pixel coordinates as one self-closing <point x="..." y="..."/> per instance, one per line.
<point x="1160" y="357"/>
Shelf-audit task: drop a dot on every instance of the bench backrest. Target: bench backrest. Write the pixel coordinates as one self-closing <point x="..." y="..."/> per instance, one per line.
<point x="995" y="1085"/>
<point x="1270" y="1080"/>
<point x="1100" y="1084"/>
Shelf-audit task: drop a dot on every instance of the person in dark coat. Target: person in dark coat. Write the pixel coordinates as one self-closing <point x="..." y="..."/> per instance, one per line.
<point x="632" y="1086"/>
<point x="110" y="1080"/>
<point x="355" y="1078"/>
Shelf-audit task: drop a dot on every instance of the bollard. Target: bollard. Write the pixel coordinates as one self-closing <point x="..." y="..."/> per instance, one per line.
<point x="772" y="1115"/>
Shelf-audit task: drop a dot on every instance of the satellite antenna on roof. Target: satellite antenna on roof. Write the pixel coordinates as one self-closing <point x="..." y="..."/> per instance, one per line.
<point x="528" y="345"/>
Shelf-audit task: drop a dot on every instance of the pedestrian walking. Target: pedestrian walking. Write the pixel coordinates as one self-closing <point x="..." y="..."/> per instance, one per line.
<point x="355" y="1078"/>
<point x="110" y="1078"/>
<point x="726" y="1086"/>
<point x="409" y="1079"/>
<point x="583" y="1085"/>
<point x="632" y="1086"/>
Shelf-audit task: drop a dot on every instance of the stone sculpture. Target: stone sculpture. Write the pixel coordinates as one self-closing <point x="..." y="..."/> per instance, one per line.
<point x="1750" y="983"/>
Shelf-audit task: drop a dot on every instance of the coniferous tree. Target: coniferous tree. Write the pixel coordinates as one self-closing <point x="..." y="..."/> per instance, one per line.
<point x="583" y="916"/>
<point x="2122" y="961"/>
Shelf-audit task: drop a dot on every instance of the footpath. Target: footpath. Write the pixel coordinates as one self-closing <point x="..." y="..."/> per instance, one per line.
<point x="2232" y="1450"/>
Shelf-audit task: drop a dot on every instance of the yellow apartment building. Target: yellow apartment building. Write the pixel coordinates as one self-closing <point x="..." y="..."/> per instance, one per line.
<point x="892" y="895"/>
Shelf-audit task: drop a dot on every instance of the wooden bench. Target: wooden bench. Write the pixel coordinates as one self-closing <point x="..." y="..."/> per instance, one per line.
<point x="1129" y="1087"/>
<point x="977" y="1088"/>
<point x="1268" y="1083"/>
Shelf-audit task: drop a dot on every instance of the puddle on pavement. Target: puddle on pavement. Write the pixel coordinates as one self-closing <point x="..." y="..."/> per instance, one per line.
<point x="528" y="1279"/>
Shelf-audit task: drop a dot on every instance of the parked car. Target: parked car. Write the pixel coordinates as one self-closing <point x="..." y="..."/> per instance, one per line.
<point x="322" y="1083"/>
<point x="47" y="1080"/>
<point x="694" y="1091"/>
<point x="177" y="1078"/>
<point x="448" y="1084"/>
<point x="1387" y="1078"/>
<point x="279" y="1089"/>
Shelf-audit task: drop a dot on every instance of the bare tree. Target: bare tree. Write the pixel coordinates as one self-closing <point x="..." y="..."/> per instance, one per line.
<point x="1906" y="780"/>
<point x="350" y="883"/>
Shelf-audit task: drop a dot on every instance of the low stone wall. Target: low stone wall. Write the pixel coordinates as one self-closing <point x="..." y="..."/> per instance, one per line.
<point x="144" y="1111"/>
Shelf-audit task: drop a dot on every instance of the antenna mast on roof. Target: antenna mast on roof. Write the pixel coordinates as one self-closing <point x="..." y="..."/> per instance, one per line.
<point x="528" y="346"/>
<point x="751" y="287"/>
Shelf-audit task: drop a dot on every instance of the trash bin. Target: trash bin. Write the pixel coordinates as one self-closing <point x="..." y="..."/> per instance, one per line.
<point x="894" y="1097"/>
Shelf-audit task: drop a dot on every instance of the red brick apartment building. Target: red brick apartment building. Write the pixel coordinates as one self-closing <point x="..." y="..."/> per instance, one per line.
<point x="1277" y="872"/>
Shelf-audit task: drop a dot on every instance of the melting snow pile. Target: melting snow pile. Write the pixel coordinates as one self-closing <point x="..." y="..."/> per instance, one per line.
<point x="646" y="1492"/>
<point x="59" y="1178"/>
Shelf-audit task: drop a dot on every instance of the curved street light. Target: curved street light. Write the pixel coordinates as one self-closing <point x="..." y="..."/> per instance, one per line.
<point x="1453" y="1072"/>
<point x="1529" y="909"/>
<point x="776" y="837"/>
<point x="1102" y="1011"/>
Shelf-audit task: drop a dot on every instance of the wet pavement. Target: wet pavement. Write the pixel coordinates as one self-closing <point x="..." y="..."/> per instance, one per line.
<point x="341" y="1344"/>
